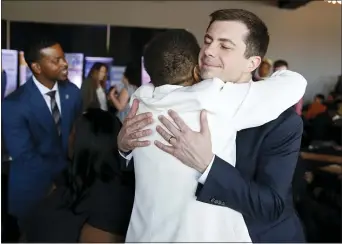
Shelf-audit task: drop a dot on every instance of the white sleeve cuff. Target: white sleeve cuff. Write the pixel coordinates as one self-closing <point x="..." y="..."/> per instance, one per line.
<point x="204" y="176"/>
<point x="128" y="156"/>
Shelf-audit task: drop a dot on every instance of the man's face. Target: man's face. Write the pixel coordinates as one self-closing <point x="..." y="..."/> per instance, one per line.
<point x="222" y="54"/>
<point x="52" y="64"/>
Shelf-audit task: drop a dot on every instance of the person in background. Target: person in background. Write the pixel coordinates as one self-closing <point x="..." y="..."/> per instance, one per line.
<point x="3" y="84"/>
<point x="90" y="202"/>
<point x="338" y="86"/>
<point x="283" y="65"/>
<point x="37" y="119"/>
<point x="330" y="98"/>
<point x="263" y="71"/>
<point x="93" y="88"/>
<point x="120" y="98"/>
<point x="280" y="65"/>
<point x="316" y="107"/>
<point x="4" y="153"/>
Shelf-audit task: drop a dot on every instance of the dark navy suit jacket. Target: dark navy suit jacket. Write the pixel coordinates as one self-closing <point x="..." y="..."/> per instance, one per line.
<point x="32" y="140"/>
<point x="259" y="186"/>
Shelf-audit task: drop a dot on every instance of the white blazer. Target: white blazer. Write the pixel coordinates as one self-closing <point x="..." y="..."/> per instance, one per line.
<point x="165" y="207"/>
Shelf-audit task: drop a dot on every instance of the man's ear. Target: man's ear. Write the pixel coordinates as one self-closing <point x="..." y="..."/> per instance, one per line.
<point x="36" y="68"/>
<point x="196" y="74"/>
<point x="253" y="63"/>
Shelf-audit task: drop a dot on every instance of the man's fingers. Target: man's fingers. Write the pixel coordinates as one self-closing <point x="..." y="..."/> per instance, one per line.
<point x="138" y="122"/>
<point x="135" y="144"/>
<point x="167" y="123"/>
<point x="163" y="133"/>
<point x="140" y="134"/>
<point x="179" y="122"/>
<point x="165" y="148"/>
<point x="134" y="109"/>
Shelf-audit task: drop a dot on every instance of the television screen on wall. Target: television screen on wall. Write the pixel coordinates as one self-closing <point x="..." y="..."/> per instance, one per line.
<point x="9" y="59"/>
<point x="75" y="63"/>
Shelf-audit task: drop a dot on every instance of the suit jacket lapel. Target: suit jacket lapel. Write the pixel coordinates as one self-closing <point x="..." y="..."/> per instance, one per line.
<point x="40" y="108"/>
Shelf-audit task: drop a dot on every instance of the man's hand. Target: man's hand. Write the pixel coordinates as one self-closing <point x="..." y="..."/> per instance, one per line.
<point x="192" y="148"/>
<point x="131" y="129"/>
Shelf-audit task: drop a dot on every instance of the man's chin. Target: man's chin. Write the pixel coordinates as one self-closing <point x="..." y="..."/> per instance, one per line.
<point x="63" y="78"/>
<point x="207" y="75"/>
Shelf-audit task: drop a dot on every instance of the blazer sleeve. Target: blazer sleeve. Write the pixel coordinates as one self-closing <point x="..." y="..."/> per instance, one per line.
<point x="37" y="172"/>
<point x="264" y="196"/>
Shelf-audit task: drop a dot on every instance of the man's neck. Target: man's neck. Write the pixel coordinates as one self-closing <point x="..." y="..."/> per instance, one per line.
<point x="45" y="82"/>
<point x="244" y="79"/>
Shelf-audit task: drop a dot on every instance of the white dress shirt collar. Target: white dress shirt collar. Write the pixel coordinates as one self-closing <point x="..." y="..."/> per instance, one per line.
<point x="43" y="89"/>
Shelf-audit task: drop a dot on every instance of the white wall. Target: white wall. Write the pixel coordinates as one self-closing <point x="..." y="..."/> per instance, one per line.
<point x="309" y="38"/>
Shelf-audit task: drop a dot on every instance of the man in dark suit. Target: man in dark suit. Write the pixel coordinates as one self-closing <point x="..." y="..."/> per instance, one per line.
<point x="37" y="119"/>
<point x="259" y="187"/>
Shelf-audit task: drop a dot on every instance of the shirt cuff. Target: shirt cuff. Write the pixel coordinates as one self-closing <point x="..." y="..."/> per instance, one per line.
<point x="204" y="176"/>
<point x="127" y="156"/>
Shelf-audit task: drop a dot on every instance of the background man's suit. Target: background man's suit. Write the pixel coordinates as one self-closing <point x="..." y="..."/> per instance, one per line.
<point x="259" y="186"/>
<point x="32" y="140"/>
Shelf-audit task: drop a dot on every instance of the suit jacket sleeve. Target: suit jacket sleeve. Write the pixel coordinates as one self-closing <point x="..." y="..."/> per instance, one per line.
<point x="20" y="145"/>
<point x="263" y="197"/>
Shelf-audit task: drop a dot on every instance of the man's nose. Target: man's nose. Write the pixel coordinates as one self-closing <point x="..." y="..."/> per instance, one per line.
<point x="64" y="63"/>
<point x="210" y="51"/>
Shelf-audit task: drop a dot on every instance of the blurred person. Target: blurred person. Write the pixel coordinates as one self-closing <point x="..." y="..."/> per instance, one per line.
<point x="37" y="119"/>
<point x="90" y="201"/>
<point x="171" y="60"/>
<point x="338" y="86"/>
<point x="316" y="107"/>
<point x="263" y="71"/>
<point x="93" y="88"/>
<point x="283" y="65"/>
<point x="3" y="83"/>
<point x="280" y="65"/>
<point x="260" y="185"/>
<point x="330" y="98"/>
<point x="120" y="98"/>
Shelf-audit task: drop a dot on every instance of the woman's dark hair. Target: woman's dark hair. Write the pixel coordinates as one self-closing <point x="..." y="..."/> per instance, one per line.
<point x="95" y="155"/>
<point x="133" y="74"/>
<point x="96" y="67"/>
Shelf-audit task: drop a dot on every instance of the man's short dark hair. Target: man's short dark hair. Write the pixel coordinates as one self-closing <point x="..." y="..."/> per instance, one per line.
<point x="320" y="96"/>
<point x="280" y="63"/>
<point x="171" y="56"/>
<point x="32" y="51"/>
<point x="257" y="39"/>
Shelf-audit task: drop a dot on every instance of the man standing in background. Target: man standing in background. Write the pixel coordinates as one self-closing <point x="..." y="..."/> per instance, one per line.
<point x="37" y="119"/>
<point x="283" y="65"/>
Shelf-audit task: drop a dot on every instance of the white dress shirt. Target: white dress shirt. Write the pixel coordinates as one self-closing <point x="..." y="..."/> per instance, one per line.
<point x="102" y="98"/>
<point x="165" y="206"/>
<point x="44" y="90"/>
